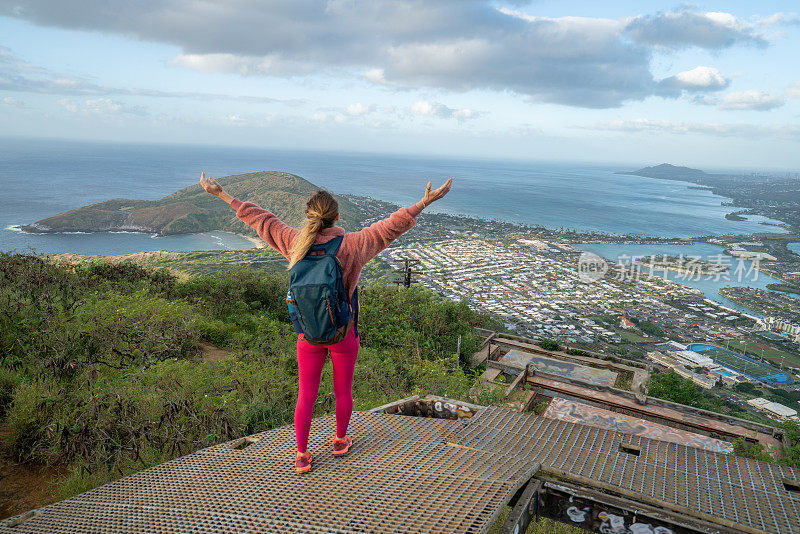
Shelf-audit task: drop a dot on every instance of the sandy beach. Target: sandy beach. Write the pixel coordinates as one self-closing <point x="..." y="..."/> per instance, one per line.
<point x="256" y="241"/>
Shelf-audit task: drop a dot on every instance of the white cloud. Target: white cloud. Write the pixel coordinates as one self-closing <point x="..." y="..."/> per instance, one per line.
<point x="270" y="64"/>
<point x="463" y="114"/>
<point x="431" y="109"/>
<point x="696" y="79"/>
<point x="101" y="107"/>
<point x="437" y="109"/>
<point x="11" y="102"/>
<point x="358" y="109"/>
<point x="756" y="100"/>
<point x="454" y="45"/>
<point x="743" y="100"/>
<point x="376" y="76"/>
<point x="793" y="91"/>
<point x="684" y="127"/>
<point x="18" y="75"/>
<point x="689" y="27"/>
<point x="327" y="117"/>
<point x="702" y="78"/>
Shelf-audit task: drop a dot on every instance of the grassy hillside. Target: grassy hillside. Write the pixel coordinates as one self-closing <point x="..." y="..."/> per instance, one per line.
<point x="192" y="209"/>
<point x="108" y="368"/>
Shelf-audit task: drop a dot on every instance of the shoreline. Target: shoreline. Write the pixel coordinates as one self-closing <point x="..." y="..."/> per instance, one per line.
<point x="256" y="241"/>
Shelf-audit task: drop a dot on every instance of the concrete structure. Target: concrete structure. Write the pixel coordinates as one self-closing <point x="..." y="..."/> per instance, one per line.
<point x="520" y="360"/>
<point x="711" y="424"/>
<point x="589" y="364"/>
<point x="579" y="412"/>
<point x="704" y="381"/>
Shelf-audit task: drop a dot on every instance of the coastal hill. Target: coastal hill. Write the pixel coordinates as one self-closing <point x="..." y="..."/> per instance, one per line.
<point x="776" y="196"/>
<point x="665" y="171"/>
<point x="192" y="209"/>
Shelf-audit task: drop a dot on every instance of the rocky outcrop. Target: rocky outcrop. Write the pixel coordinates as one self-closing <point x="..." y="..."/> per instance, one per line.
<point x="157" y="219"/>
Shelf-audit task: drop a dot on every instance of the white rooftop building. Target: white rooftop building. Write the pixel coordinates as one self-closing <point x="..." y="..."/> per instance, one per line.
<point x="695" y="358"/>
<point x="773" y="407"/>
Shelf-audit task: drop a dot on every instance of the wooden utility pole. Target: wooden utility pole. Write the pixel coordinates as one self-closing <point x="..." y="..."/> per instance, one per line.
<point x="406" y="271"/>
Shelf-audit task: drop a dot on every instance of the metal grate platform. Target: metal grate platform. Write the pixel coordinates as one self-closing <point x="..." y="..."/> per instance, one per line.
<point x="702" y="483"/>
<point x="415" y="474"/>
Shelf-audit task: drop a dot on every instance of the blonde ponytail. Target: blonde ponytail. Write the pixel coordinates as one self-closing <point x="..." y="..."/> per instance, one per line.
<point x="321" y="212"/>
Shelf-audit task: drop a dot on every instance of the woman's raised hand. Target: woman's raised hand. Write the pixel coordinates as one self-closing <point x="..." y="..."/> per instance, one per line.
<point x="210" y="185"/>
<point x="436" y="194"/>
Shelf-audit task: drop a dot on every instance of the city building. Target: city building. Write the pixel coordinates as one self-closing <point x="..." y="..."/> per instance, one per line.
<point x="773" y="408"/>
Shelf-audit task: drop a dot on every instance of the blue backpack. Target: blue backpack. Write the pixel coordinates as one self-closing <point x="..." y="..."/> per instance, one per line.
<point x="317" y="300"/>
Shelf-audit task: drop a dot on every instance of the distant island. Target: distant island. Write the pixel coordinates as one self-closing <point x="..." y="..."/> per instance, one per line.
<point x="665" y="171"/>
<point x="192" y="209"/>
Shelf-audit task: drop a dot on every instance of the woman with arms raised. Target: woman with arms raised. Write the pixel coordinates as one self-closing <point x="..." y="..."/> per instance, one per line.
<point x="356" y="249"/>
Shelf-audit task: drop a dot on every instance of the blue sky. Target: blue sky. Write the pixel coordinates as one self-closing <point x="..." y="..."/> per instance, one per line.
<point x="714" y="85"/>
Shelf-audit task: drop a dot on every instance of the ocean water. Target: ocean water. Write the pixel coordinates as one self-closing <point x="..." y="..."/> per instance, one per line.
<point x="43" y="178"/>
<point x="741" y="272"/>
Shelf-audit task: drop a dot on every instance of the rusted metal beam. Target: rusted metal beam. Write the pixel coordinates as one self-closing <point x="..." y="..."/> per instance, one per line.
<point x="524" y="510"/>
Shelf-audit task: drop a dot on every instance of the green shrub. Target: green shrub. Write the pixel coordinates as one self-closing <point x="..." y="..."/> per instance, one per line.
<point x="237" y="290"/>
<point x="418" y="320"/>
<point x="36" y="403"/>
<point x="549" y="344"/>
<point x="669" y="385"/>
<point x="126" y="277"/>
<point x="792" y="450"/>
<point x="577" y="352"/>
<point x="216" y="331"/>
<point x="9" y="380"/>
<point x="124" y="330"/>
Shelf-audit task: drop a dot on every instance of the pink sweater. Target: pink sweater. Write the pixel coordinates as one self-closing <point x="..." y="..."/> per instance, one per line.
<point x="357" y="247"/>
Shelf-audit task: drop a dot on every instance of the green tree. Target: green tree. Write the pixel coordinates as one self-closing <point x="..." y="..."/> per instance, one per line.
<point x="745" y="387"/>
<point x="651" y="329"/>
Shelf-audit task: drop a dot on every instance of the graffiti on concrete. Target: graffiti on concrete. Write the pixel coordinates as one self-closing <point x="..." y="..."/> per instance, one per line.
<point x="577" y="515"/>
<point x="578" y="412"/>
<point x="448" y="410"/>
<point x="615" y="524"/>
<point x="519" y="360"/>
<point x="586" y="513"/>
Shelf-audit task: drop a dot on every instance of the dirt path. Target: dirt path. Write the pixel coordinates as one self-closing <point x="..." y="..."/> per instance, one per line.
<point x="212" y="353"/>
<point x="23" y="487"/>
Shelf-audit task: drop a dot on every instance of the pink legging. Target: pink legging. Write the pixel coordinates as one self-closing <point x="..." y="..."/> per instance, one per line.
<point x="310" y="361"/>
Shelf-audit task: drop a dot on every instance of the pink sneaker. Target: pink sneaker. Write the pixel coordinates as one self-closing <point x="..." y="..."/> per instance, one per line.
<point x="302" y="462"/>
<point x="341" y="446"/>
